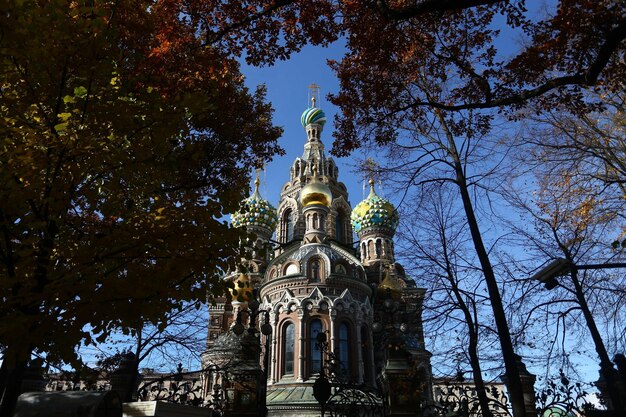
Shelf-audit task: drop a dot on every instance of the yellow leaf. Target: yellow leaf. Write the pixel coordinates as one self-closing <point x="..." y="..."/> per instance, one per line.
<point x="64" y="116"/>
<point x="61" y="127"/>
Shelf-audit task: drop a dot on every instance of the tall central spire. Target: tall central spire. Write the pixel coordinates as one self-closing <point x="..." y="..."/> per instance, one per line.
<point x="313" y="120"/>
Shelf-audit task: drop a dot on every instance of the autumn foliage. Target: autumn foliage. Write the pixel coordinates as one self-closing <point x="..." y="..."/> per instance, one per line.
<point x="125" y="141"/>
<point x="127" y="132"/>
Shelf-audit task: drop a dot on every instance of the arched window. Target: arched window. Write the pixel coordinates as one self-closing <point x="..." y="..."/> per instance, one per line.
<point x="339" y="232"/>
<point x="288" y="226"/>
<point x="379" y="248"/>
<point x="315" y="270"/>
<point x="315" y="359"/>
<point x="316" y="224"/>
<point x="370" y="249"/>
<point x="344" y="348"/>
<point x="363" y="250"/>
<point x="288" y="349"/>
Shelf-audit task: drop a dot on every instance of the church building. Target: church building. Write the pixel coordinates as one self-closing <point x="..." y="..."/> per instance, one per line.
<point x="314" y="314"/>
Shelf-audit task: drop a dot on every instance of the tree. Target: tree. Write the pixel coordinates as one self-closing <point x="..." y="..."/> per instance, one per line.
<point x="587" y="150"/>
<point x="571" y="222"/>
<point x="405" y="59"/>
<point x="447" y="149"/>
<point x="179" y="338"/>
<point x="467" y="46"/>
<point x="125" y="142"/>
<point x="566" y="45"/>
<point x="435" y="241"/>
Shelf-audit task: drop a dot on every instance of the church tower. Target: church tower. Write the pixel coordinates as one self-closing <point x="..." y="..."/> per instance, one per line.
<point x="315" y="286"/>
<point x="331" y="313"/>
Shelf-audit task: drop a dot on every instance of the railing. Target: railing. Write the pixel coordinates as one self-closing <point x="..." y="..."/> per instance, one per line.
<point x="339" y="396"/>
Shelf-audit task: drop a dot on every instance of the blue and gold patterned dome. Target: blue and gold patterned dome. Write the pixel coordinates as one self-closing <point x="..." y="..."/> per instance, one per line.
<point x="374" y="212"/>
<point x="313" y="115"/>
<point x="255" y="211"/>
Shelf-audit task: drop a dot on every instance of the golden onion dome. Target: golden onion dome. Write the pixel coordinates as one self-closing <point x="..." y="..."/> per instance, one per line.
<point x="316" y="192"/>
<point x="390" y="284"/>
<point x="242" y="291"/>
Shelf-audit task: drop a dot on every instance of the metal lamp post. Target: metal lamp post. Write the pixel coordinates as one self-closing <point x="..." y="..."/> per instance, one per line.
<point x="266" y="330"/>
<point x="561" y="267"/>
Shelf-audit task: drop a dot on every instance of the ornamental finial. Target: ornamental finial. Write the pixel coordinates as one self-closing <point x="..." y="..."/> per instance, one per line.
<point x="256" y="195"/>
<point x="314" y="93"/>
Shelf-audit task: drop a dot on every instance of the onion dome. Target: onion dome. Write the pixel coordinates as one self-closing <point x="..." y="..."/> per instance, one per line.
<point x="313" y="115"/>
<point x="316" y="192"/>
<point x="242" y="290"/>
<point x="255" y="211"/>
<point x="390" y="285"/>
<point x="374" y="211"/>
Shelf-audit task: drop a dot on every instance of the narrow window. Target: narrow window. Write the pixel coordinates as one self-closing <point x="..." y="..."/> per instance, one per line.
<point x="288" y="341"/>
<point x="288" y="225"/>
<point x="379" y="245"/>
<point x="344" y="348"/>
<point x="315" y="270"/>
<point x="315" y="362"/>
<point x="339" y="235"/>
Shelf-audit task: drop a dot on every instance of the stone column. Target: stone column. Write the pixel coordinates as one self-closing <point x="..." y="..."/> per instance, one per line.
<point x="359" y="351"/>
<point x="275" y="337"/>
<point x="301" y="346"/>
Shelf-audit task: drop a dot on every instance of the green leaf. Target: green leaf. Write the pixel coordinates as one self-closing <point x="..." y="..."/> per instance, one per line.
<point x="61" y="127"/>
<point x="80" y="92"/>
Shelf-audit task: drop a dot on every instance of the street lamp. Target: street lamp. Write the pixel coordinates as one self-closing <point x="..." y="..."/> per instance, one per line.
<point x="561" y="267"/>
<point x="322" y="389"/>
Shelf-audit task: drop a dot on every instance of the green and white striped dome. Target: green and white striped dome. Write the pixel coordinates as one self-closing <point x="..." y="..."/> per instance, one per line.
<point x="374" y="211"/>
<point x="313" y="115"/>
<point x="255" y="211"/>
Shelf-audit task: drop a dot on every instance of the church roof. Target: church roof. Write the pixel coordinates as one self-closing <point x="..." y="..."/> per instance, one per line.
<point x="313" y="115"/>
<point x="374" y="211"/>
<point x="256" y="211"/>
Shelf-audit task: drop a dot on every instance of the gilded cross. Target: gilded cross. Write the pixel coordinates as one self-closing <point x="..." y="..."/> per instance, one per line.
<point x="314" y="93"/>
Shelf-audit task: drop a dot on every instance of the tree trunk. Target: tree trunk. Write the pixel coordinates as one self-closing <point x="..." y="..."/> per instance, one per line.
<point x="472" y="351"/>
<point x="11" y="377"/>
<point x="606" y="366"/>
<point x="472" y="329"/>
<point x="514" y="383"/>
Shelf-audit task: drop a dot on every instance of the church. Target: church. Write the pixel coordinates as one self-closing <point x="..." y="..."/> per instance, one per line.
<point x="317" y="321"/>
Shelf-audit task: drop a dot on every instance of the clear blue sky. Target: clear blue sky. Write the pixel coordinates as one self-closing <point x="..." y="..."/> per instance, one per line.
<point x="287" y="83"/>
